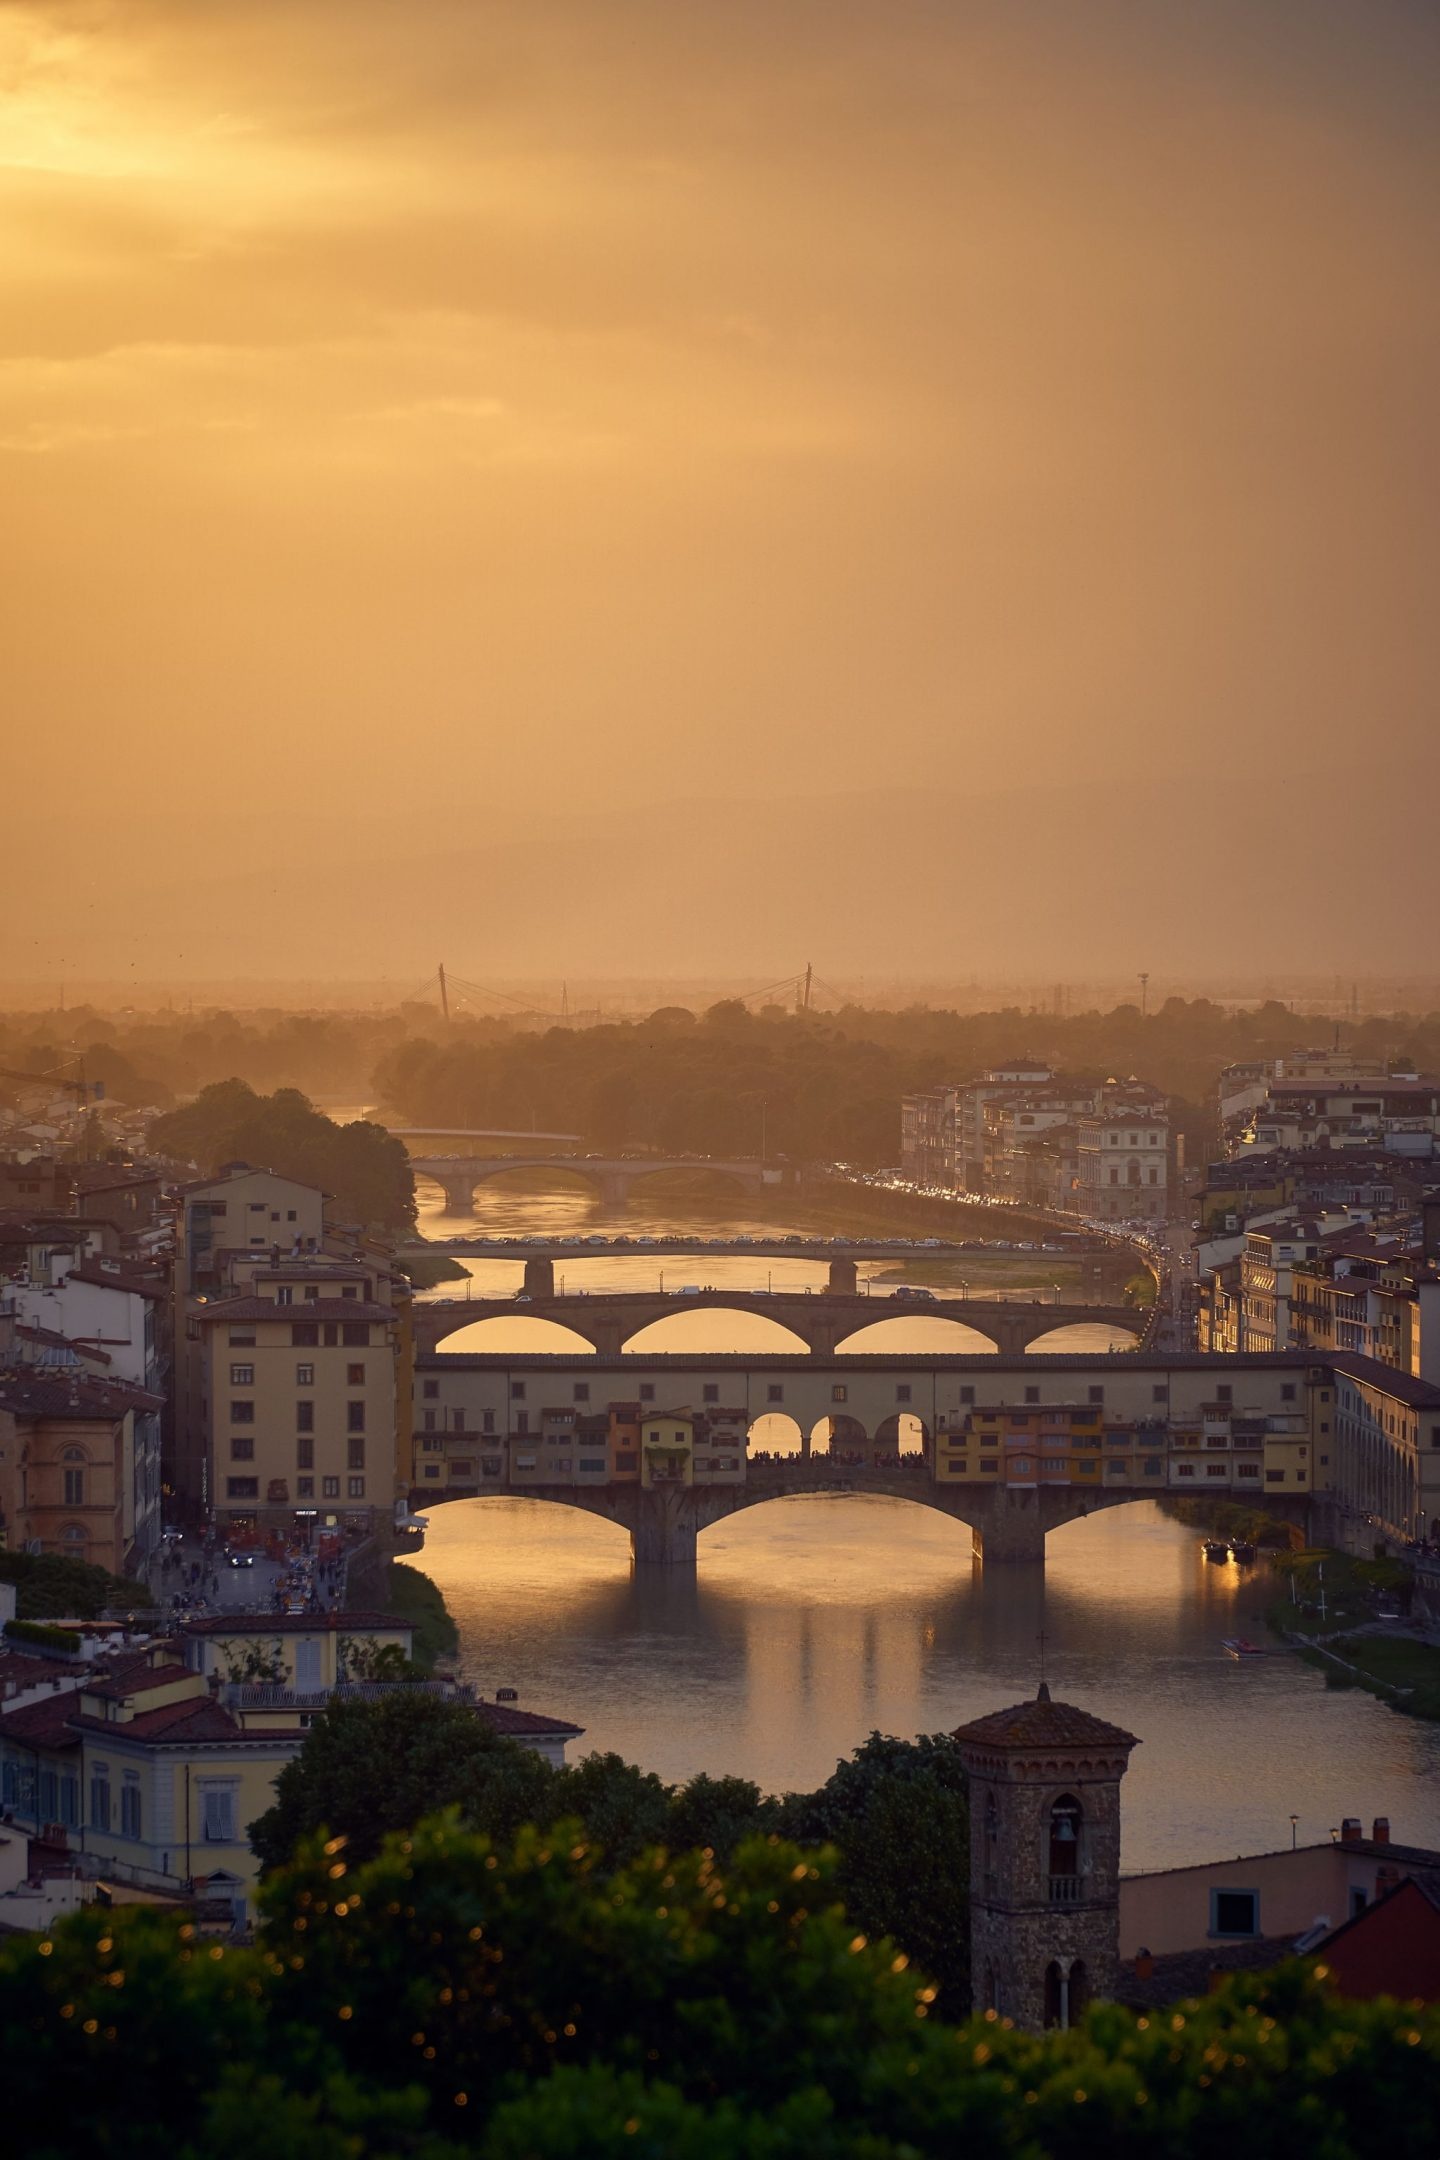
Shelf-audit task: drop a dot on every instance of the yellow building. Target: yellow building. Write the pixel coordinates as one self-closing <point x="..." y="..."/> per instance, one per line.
<point x="297" y="1396"/>
<point x="67" y="1463"/>
<point x="667" y="1448"/>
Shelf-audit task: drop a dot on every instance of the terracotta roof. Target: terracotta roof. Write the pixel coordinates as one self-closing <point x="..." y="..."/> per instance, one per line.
<point x="28" y="1669"/>
<point x="258" y="1308"/>
<point x="505" y="1718"/>
<point x="1178" y="1975"/>
<point x="291" y="1623"/>
<point x="1044" y="1724"/>
<point x="106" y="1278"/>
<point x="122" y="1685"/>
<point x="199" y="1717"/>
<point x="42" y="1724"/>
<point x="42" y="1391"/>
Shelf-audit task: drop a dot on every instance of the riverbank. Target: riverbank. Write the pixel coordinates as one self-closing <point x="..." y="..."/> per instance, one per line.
<point x="1350" y="1619"/>
<point x="412" y="1596"/>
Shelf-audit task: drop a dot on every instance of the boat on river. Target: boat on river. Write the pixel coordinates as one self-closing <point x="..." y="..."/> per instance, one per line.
<point x="1215" y="1549"/>
<point x="1239" y="1646"/>
<point x="1241" y="1551"/>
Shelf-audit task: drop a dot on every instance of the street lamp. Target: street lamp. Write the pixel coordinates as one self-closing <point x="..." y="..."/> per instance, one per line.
<point x="1294" y="1825"/>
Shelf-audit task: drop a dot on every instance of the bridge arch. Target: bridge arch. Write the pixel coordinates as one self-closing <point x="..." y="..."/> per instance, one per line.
<point x="524" y="1334"/>
<point x="774" y="1433"/>
<point x="754" y="1333"/>
<point x="722" y="1181"/>
<point x="927" y="1331"/>
<point x="903" y="1433"/>
<point x="1081" y="1335"/>
<point x="838" y="1433"/>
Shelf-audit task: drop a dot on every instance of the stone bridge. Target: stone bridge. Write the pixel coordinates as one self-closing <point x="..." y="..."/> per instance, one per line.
<point x="665" y="1522"/>
<point x="611" y="1175"/>
<point x="608" y="1320"/>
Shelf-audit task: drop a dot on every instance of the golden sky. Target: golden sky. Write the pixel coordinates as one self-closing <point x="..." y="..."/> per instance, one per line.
<point x="422" y="420"/>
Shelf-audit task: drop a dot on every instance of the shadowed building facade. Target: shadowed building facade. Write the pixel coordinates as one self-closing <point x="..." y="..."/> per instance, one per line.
<point x="1044" y="1859"/>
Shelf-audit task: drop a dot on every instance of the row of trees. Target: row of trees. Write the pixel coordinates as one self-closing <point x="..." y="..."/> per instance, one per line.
<point x="895" y="1811"/>
<point x="366" y="1170"/>
<point x="523" y="1999"/>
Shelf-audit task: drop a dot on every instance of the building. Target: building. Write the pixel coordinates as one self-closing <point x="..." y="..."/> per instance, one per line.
<point x="242" y="1210"/>
<point x="1397" y="1112"/>
<point x="927" y="1136"/>
<point x="292" y="1418"/>
<point x="79" y="1463"/>
<point x="1122" y="1155"/>
<point x="1044" y="1859"/>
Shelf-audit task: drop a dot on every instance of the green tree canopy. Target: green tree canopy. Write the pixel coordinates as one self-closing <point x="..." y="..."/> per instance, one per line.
<point x="361" y="1165"/>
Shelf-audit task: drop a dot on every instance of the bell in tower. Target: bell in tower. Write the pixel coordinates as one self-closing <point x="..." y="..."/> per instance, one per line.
<point x="1044" y="1859"/>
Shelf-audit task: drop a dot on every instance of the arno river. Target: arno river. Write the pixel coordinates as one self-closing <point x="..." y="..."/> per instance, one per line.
<point x="811" y="1622"/>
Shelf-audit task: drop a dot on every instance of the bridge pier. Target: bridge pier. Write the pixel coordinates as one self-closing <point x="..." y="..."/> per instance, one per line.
<point x="539" y="1278"/>
<point x="843" y="1278"/>
<point x="1011" y="1529"/>
<point x="664" y="1528"/>
<point x="459" y="1195"/>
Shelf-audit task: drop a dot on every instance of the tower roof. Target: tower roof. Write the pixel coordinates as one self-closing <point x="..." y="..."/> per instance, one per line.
<point x="1042" y="1723"/>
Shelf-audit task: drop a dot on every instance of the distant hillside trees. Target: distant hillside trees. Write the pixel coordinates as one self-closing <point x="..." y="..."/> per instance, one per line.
<point x="366" y="1170"/>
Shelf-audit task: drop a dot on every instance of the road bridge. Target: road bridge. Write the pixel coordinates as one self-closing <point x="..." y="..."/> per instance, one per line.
<point x="1149" y="1425"/>
<point x="613" y="1176"/>
<point x="608" y="1320"/>
<point x="775" y="1245"/>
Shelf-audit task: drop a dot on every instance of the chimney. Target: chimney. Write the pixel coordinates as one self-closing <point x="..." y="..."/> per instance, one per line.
<point x="1144" y="1965"/>
<point x="1380" y="1830"/>
<point x="1350" y="1829"/>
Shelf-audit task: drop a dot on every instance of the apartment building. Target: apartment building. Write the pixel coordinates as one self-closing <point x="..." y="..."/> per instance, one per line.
<point x="1396" y="1112"/>
<point x="79" y="1463"/>
<point x="1122" y="1156"/>
<point x="927" y="1136"/>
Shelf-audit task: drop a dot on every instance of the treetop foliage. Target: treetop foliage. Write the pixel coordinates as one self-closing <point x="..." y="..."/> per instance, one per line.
<point x="366" y="1171"/>
<point x="519" y="2000"/>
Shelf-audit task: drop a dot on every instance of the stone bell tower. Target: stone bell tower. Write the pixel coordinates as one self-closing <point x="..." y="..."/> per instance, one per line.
<point x="1044" y="1859"/>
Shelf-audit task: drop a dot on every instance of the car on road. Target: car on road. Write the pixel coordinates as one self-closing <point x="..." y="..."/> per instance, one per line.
<point x="239" y="1559"/>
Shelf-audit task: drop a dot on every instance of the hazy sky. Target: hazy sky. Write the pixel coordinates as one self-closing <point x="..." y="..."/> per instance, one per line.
<point x="421" y="417"/>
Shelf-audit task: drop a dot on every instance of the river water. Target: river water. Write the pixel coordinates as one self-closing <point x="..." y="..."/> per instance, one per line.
<point x="811" y="1622"/>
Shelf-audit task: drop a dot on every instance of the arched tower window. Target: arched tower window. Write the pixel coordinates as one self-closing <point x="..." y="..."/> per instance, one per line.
<point x="1066" y="1819"/>
<point x="1055" y="2006"/>
<point x="992" y="1834"/>
<point x="1079" y="1989"/>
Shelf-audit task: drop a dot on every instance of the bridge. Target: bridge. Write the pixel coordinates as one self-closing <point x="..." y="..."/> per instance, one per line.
<point x="771" y="1245"/>
<point x="611" y="1175"/>
<point x="1077" y="1433"/>
<point x="608" y="1320"/>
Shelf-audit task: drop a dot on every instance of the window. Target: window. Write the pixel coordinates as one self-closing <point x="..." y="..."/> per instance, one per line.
<point x="1224" y="1393"/>
<point x="1157" y="1394"/>
<point x="774" y="1392"/>
<point x="1234" y="1912"/>
<point x="517" y="1391"/>
<point x="242" y="1338"/>
<point x="242" y="1447"/>
<point x="354" y="1376"/>
<point x="1274" y="1477"/>
<point x="329" y="1334"/>
<point x="242" y="1376"/>
<point x="305" y="1452"/>
<point x="356" y="1452"/>
<point x="74" y="1488"/>
<point x="1215" y="1469"/>
<point x="1032" y="1394"/>
<point x="1287" y="1391"/>
<point x="1096" y="1394"/>
<point x="582" y="1391"/>
<point x="1151" y="1466"/>
<point x="1185" y="1469"/>
<point x="592" y="1462"/>
<point x="710" y="1392"/>
<point x="988" y="1465"/>
<point x="430" y="1390"/>
<point x="130" y="1808"/>
<point x="242" y="1413"/>
<point x="647" y="1391"/>
<point x="967" y="1394"/>
<point x="289" y="1214"/>
<point x="304" y="1376"/>
<point x="356" y="1488"/>
<point x="284" y="1294"/>
<point x="839" y="1393"/>
<point x="304" y="1335"/>
<point x="432" y="1469"/>
<point x="242" y="1488"/>
<point x="1066" y="1819"/>
<point x="457" y="1420"/>
<point x="100" y="1799"/>
<point x="330" y="1488"/>
<point x="355" y="1333"/>
<point x="354" y="1417"/>
<point x="304" y="1417"/>
<point x="432" y="1420"/>
<point x="217" y="1814"/>
<point x="902" y="1392"/>
<point x="487" y="1421"/>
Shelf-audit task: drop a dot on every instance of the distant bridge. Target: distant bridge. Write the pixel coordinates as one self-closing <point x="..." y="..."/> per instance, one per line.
<point x="611" y="1175"/>
<point x="769" y="1245"/>
<point x="822" y="1320"/>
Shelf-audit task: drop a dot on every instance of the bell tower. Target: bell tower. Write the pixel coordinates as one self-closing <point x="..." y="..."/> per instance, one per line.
<point x="1044" y="1859"/>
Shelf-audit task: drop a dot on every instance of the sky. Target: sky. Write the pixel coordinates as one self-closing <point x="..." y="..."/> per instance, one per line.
<point x="729" y="474"/>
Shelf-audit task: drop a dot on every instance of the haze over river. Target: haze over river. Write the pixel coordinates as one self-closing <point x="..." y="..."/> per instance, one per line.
<point x="811" y="1622"/>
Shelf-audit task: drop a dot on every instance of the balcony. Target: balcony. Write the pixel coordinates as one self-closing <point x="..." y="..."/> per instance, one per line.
<point x="1066" y="1889"/>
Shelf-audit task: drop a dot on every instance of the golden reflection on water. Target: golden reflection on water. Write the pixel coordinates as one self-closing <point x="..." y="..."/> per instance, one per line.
<point x="810" y="1622"/>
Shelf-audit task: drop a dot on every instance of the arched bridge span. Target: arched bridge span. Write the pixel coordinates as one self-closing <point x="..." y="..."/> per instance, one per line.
<point x="612" y="1176"/>
<point x="823" y="1321"/>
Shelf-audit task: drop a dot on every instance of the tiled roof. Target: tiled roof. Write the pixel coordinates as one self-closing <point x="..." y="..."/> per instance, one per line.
<point x="257" y="1308"/>
<point x="1042" y="1723"/>
<point x="291" y="1623"/>
<point x="27" y="1670"/>
<point x="199" y="1717"/>
<point x="1178" y="1975"/>
<point x="147" y="1680"/>
<point x="42" y="1724"/>
<point x="105" y="1278"/>
<point x="505" y="1718"/>
<point x="41" y="1391"/>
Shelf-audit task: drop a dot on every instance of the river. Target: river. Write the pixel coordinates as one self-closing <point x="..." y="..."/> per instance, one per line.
<point x="811" y="1622"/>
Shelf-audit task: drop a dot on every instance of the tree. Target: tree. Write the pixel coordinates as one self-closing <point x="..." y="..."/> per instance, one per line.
<point x="718" y="1813"/>
<point x="369" y="1767"/>
<point x="623" y="1809"/>
<point x="898" y="1811"/>
<point x="365" y="1169"/>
